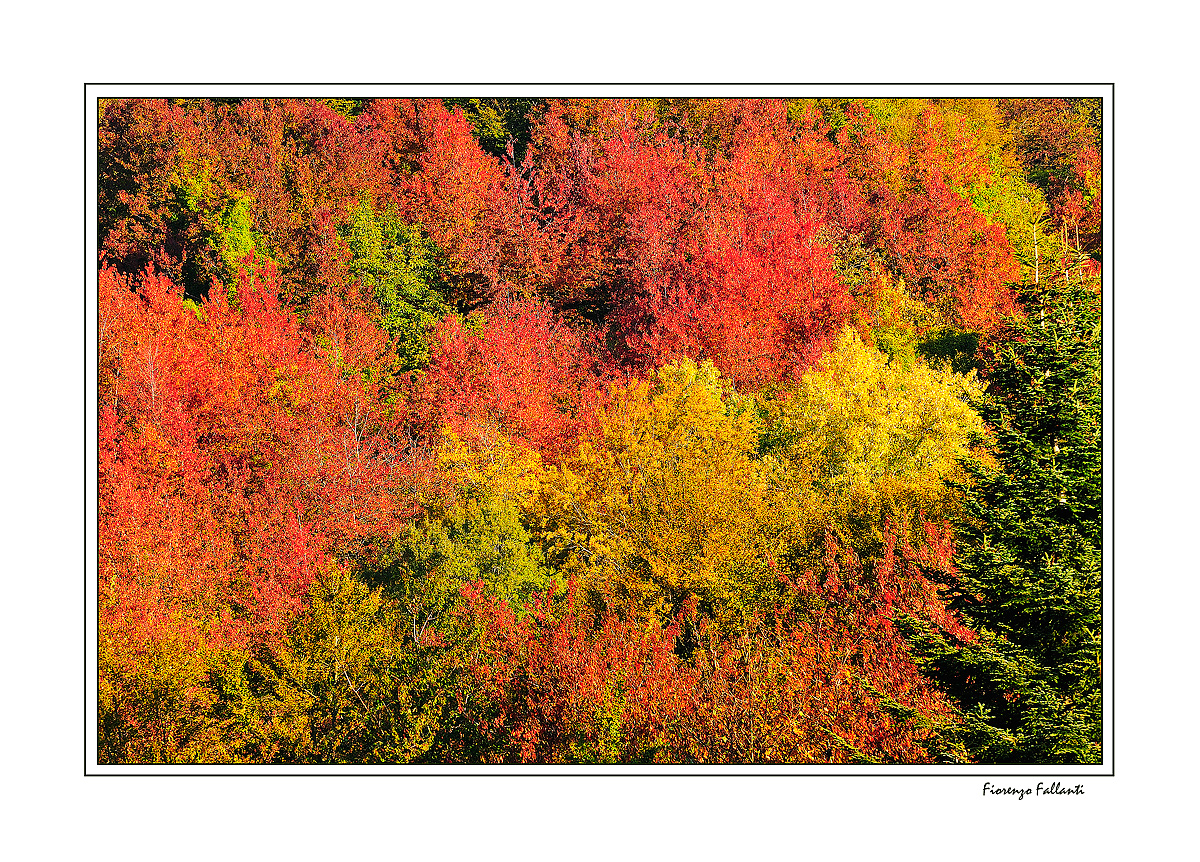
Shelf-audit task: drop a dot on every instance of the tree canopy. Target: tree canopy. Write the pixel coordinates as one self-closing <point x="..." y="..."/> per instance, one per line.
<point x="599" y="430"/>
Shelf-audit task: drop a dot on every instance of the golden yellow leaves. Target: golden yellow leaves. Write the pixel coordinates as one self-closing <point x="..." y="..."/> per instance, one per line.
<point x="688" y="488"/>
<point x="878" y="439"/>
<point x="667" y="500"/>
<point x="488" y="459"/>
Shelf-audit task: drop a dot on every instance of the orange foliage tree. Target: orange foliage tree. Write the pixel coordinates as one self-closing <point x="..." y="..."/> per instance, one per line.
<point x="236" y="462"/>
<point x="518" y="367"/>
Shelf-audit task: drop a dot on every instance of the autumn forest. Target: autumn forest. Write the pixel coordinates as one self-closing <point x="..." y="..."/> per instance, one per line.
<point x="582" y="431"/>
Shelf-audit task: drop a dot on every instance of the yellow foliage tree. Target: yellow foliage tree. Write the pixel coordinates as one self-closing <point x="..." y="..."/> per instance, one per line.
<point x="874" y="440"/>
<point x="668" y="499"/>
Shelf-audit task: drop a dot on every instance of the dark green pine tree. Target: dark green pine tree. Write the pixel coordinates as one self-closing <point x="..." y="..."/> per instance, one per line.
<point x="1029" y="551"/>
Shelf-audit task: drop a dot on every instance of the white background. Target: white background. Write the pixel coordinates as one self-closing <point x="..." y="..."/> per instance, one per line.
<point x="53" y="811"/>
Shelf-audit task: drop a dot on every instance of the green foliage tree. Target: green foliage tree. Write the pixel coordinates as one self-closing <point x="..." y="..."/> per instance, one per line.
<point x="1029" y="565"/>
<point x="1005" y="197"/>
<point x="401" y="267"/>
<point x="345" y="685"/>
<point x="498" y="121"/>
<point x="473" y="534"/>
<point x="153" y="703"/>
<point x="348" y="108"/>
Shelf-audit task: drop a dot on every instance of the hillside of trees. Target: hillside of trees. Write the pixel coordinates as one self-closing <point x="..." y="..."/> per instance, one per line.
<point x="647" y="431"/>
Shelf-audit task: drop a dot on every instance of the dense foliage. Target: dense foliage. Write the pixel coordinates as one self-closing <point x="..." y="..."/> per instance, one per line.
<point x="1029" y="574"/>
<point x="593" y="431"/>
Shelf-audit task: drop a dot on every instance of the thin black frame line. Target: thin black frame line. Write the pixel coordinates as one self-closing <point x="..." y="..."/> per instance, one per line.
<point x="87" y="411"/>
<point x="1109" y="214"/>
<point x="1108" y="176"/>
<point x="564" y="95"/>
<point x="593" y="84"/>
<point x="564" y="774"/>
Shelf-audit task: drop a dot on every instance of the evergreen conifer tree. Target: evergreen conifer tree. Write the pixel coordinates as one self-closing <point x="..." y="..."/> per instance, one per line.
<point x="1029" y="558"/>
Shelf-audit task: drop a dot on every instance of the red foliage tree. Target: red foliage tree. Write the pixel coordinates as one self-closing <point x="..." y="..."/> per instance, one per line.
<point x="689" y="251"/>
<point x="824" y="677"/>
<point x="189" y="185"/>
<point x="565" y="687"/>
<point x="757" y="293"/>
<point x="467" y="200"/>
<point x="138" y="184"/>
<point x="235" y="459"/>
<point x="916" y="215"/>
<point x="520" y="367"/>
